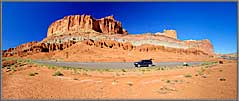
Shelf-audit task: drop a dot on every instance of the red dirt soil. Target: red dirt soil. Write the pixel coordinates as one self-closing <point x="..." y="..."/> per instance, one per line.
<point x="158" y="84"/>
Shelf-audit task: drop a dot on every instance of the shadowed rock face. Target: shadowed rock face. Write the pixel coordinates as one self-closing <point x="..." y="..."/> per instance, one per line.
<point x="85" y="23"/>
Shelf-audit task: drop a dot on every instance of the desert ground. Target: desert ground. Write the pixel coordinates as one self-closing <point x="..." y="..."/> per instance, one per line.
<point x="24" y="79"/>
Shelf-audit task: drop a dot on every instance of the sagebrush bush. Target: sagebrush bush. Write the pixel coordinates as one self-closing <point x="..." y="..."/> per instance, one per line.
<point x="32" y="73"/>
<point x="188" y="75"/>
<point x="123" y="70"/>
<point x="222" y="79"/>
<point x="220" y="62"/>
<point x="58" y="73"/>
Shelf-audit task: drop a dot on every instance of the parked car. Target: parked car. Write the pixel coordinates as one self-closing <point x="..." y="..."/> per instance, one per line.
<point x="147" y="63"/>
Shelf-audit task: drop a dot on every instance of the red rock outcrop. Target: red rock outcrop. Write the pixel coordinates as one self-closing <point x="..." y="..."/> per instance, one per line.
<point x="34" y="47"/>
<point x="168" y="33"/>
<point x="85" y="23"/>
<point x="18" y="50"/>
<point x="203" y="45"/>
<point x="109" y="44"/>
<point x="142" y="48"/>
<point x="26" y="45"/>
<point x="107" y="33"/>
<point x="171" y="33"/>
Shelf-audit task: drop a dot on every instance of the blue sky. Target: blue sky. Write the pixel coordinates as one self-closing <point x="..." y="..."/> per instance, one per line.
<point x="217" y="21"/>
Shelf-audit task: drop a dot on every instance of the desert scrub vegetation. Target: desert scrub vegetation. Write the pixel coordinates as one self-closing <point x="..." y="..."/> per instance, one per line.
<point x="76" y="71"/>
<point x="33" y="74"/>
<point x="168" y="81"/>
<point x="188" y="75"/>
<point x="66" y="67"/>
<point x="54" y="67"/>
<point x="13" y="69"/>
<point x="161" y="68"/>
<point x="145" y="69"/>
<point x="85" y="73"/>
<point x="75" y="79"/>
<point x="117" y="74"/>
<point x="8" y="63"/>
<point x="201" y="71"/>
<point x="130" y="83"/>
<point x="123" y="70"/>
<point x="107" y="70"/>
<point x="22" y="62"/>
<point x="208" y="63"/>
<point x="110" y="70"/>
<point x="166" y="89"/>
<point x="114" y="82"/>
<point x="58" y="73"/>
<point x="50" y="66"/>
<point x="220" y="62"/>
<point x="222" y="79"/>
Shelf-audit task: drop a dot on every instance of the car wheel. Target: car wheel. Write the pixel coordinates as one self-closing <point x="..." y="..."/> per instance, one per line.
<point x="149" y="65"/>
<point x="138" y="65"/>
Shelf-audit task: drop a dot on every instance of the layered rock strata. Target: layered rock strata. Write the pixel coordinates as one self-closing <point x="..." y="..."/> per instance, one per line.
<point x="108" y="33"/>
<point x="85" y="23"/>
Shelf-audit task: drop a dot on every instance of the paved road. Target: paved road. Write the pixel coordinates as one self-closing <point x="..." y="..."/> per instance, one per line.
<point x="110" y="65"/>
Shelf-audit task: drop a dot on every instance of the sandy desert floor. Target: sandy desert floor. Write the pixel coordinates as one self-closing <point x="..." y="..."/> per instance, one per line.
<point x="33" y="81"/>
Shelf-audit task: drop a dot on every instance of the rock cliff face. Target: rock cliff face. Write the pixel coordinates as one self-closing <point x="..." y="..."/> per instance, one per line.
<point x="34" y="47"/>
<point x="19" y="49"/>
<point x="171" y="33"/>
<point x="204" y="45"/>
<point x="107" y="33"/>
<point x="85" y="23"/>
<point x="142" y="48"/>
<point x="168" y="33"/>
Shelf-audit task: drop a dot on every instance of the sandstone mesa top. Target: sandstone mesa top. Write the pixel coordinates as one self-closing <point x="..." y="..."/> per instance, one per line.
<point x="85" y="23"/>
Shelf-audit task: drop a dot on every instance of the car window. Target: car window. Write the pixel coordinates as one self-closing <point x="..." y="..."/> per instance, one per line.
<point x="146" y="61"/>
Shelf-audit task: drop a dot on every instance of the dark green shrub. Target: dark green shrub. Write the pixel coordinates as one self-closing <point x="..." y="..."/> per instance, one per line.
<point x="33" y="74"/>
<point x="222" y="79"/>
<point x="123" y="70"/>
<point x="188" y="75"/>
<point x="168" y="81"/>
<point x="58" y="73"/>
<point x="220" y="62"/>
<point x="130" y="84"/>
